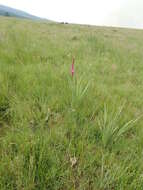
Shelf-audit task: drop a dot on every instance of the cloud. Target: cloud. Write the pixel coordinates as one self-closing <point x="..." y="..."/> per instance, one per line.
<point x="122" y="13"/>
<point x="129" y="14"/>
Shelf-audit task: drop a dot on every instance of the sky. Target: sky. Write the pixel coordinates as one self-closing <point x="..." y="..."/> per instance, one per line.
<point x="120" y="13"/>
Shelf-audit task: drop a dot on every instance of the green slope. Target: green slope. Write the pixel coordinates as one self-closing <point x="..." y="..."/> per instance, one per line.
<point x="64" y="133"/>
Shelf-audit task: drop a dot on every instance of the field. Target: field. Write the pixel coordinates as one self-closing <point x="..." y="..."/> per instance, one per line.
<point x="64" y="133"/>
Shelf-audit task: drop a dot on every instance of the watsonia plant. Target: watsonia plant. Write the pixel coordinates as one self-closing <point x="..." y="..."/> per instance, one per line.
<point x="79" y="90"/>
<point x="78" y="87"/>
<point x="111" y="129"/>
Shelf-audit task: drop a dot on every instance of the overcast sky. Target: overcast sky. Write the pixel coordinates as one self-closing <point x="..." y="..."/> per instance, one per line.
<point x="124" y="13"/>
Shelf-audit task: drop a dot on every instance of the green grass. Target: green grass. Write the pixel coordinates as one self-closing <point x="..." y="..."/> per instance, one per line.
<point x="59" y="133"/>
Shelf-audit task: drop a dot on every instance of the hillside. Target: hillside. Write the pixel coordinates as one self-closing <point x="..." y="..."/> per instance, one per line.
<point x="11" y="12"/>
<point x="63" y="133"/>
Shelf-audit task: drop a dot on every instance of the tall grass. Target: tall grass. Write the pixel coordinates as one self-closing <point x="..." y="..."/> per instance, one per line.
<point x="111" y="130"/>
<point x="55" y="132"/>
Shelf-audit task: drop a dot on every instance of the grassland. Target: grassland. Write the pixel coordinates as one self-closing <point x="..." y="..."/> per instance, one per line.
<point x="59" y="133"/>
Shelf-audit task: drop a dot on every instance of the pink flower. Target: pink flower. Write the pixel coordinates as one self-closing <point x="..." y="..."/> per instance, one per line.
<point x="72" y="70"/>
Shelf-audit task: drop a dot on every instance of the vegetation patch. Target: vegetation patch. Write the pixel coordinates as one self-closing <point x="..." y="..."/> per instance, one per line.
<point x="66" y="124"/>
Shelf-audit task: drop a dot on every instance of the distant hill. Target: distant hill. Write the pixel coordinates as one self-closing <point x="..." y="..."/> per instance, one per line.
<point x="11" y="12"/>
